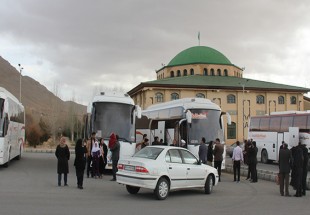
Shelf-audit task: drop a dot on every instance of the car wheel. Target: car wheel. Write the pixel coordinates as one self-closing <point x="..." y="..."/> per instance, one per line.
<point x="209" y="185"/>
<point x="132" y="189"/>
<point x="264" y="158"/>
<point x="162" y="189"/>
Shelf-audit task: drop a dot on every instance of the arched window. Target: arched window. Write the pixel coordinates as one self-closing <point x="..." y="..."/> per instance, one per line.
<point x="178" y="73"/>
<point x="172" y="74"/>
<point x="231" y="131"/>
<point x="225" y="72"/>
<point x="219" y="72"/>
<point x="260" y="99"/>
<point x="200" y="95"/>
<point x="192" y="71"/>
<point x="293" y="100"/>
<point x="184" y="72"/>
<point x="212" y="72"/>
<point x="205" y="71"/>
<point x="231" y="99"/>
<point x="174" y="96"/>
<point x="159" y="97"/>
<point x="281" y="100"/>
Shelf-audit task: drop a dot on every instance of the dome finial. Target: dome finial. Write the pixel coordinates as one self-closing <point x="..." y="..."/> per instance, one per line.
<point x="198" y="38"/>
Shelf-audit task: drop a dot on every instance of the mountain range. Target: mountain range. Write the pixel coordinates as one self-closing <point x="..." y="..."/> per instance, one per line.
<point x="37" y="99"/>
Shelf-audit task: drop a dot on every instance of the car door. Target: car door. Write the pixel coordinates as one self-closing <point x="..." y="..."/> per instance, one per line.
<point x="195" y="172"/>
<point x="176" y="169"/>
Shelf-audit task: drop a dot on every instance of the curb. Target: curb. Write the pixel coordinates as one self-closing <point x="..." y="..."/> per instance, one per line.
<point x="261" y="174"/>
<point x="33" y="150"/>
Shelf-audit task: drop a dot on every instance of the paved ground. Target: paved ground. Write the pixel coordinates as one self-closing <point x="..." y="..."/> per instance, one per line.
<point x="29" y="186"/>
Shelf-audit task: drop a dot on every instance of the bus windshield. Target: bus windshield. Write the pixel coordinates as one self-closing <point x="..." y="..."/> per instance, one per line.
<point x="205" y="123"/>
<point x="108" y="117"/>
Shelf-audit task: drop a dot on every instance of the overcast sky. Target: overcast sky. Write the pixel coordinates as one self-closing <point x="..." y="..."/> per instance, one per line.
<point x="84" y="46"/>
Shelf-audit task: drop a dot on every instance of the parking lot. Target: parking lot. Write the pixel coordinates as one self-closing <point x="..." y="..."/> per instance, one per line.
<point x="29" y="186"/>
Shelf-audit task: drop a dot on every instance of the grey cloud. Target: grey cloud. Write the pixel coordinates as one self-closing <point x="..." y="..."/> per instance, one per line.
<point x="116" y="41"/>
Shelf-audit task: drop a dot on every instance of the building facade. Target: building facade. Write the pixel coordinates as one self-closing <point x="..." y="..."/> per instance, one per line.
<point x="206" y="73"/>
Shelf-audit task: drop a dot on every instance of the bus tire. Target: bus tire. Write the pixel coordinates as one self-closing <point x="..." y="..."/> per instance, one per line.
<point x="264" y="156"/>
<point x="209" y="185"/>
<point x="6" y="165"/>
<point x="20" y="154"/>
<point x="132" y="189"/>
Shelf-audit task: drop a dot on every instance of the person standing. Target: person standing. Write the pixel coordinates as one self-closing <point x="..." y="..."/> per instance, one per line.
<point x="252" y="160"/>
<point x="144" y="143"/>
<point x="63" y="155"/>
<point x="285" y="160"/>
<point x="296" y="182"/>
<point x="95" y="153"/>
<point x="247" y="143"/>
<point x="115" y="149"/>
<point x="103" y="157"/>
<point x="80" y="161"/>
<point x="203" y="151"/>
<point x="89" y="147"/>
<point x="156" y="141"/>
<point x="210" y="153"/>
<point x="237" y="158"/>
<point x="304" y="169"/>
<point x="218" y="156"/>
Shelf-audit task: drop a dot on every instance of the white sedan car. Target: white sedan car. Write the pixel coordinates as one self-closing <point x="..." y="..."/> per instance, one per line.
<point x="165" y="168"/>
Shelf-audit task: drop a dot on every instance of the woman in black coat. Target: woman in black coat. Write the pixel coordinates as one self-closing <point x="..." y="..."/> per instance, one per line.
<point x="63" y="155"/>
<point x="80" y="161"/>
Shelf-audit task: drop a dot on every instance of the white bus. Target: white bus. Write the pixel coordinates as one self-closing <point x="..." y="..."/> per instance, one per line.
<point x="113" y="112"/>
<point x="12" y="127"/>
<point x="270" y="130"/>
<point x="187" y="119"/>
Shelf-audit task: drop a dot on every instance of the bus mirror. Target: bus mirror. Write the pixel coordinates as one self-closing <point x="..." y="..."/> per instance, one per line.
<point x="138" y="111"/>
<point x="189" y="116"/>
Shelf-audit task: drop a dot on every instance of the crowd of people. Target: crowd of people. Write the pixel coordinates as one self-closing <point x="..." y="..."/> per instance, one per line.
<point x="294" y="162"/>
<point x="90" y="154"/>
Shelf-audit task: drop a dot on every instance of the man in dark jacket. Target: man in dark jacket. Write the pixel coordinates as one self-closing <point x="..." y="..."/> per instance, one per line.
<point x="203" y="151"/>
<point x="285" y="160"/>
<point x="218" y="156"/>
<point x="297" y="154"/>
<point x="304" y="169"/>
<point x="252" y="161"/>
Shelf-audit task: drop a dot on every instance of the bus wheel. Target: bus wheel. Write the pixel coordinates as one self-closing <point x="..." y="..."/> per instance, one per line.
<point x="264" y="157"/>
<point x="20" y="154"/>
<point x="6" y="165"/>
<point x="132" y="189"/>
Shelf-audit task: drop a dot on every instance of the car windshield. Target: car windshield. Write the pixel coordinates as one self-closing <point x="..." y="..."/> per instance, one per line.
<point x="149" y="153"/>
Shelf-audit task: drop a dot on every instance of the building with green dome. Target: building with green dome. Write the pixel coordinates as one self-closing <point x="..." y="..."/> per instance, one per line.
<point x="204" y="72"/>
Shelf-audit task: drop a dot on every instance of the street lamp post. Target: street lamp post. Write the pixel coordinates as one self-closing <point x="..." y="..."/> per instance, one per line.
<point x="243" y="114"/>
<point x="20" y="82"/>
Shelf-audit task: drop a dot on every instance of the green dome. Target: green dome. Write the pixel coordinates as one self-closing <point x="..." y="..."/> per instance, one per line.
<point x="199" y="55"/>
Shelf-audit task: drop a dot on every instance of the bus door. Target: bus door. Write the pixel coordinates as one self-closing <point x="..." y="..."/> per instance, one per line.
<point x="183" y="133"/>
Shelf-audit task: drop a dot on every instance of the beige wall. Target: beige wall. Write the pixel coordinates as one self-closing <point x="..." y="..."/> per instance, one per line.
<point x="198" y="70"/>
